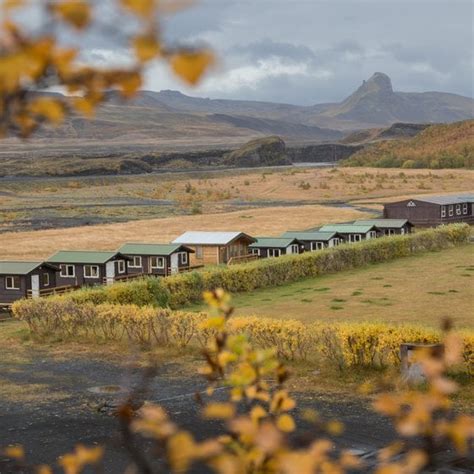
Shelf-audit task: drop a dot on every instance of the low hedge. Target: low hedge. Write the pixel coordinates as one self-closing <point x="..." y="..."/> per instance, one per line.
<point x="185" y="288"/>
<point x="342" y="345"/>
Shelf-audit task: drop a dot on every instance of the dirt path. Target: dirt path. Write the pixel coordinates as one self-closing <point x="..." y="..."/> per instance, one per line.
<point x="46" y="404"/>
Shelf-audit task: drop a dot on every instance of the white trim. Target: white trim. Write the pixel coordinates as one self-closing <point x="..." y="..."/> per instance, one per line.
<point x="132" y="264"/>
<point x="184" y="257"/>
<point x="443" y="211"/>
<point x="458" y="209"/>
<point x="12" y="286"/>
<point x="157" y="266"/>
<point x="451" y="210"/>
<point x="294" y="248"/>
<point x="121" y="266"/>
<point x="464" y="208"/>
<point x="199" y="252"/>
<point x="66" y="266"/>
<point x="90" y="269"/>
<point x="275" y="253"/>
<point x="46" y="281"/>
<point x="255" y="252"/>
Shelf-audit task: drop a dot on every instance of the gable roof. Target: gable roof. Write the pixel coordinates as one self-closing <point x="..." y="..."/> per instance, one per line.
<point x="316" y="235"/>
<point x="440" y="200"/>
<point x="276" y="242"/>
<point x="209" y="238"/>
<point x="384" y="223"/>
<point x="22" y="268"/>
<point x="83" y="256"/>
<point x="152" y="249"/>
<point x="347" y="228"/>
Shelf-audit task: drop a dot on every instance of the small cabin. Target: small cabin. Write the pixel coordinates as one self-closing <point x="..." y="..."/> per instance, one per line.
<point x="431" y="211"/>
<point x="268" y="247"/>
<point x="214" y="248"/>
<point x="88" y="268"/>
<point x="352" y="233"/>
<point x="157" y="259"/>
<point x="316" y="240"/>
<point x="389" y="226"/>
<point x="25" y="279"/>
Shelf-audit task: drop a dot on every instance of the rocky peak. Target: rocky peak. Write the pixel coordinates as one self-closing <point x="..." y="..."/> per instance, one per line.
<point x="379" y="82"/>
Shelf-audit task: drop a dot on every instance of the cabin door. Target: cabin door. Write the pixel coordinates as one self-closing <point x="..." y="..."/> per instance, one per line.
<point x="109" y="272"/>
<point x="174" y="263"/>
<point x="35" y="286"/>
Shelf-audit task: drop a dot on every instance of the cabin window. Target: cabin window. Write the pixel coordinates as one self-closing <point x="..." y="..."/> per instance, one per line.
<point x="458" y="209"/>
<point x="355" y="237"/>
<point x="336" y="242"/>
<point x="451" y="210"/>
<point x="443" y="211"/>
<point x="68" y="271"/>
<point x="91" y="271"/>
<point x="136" y="262"/>
<point x="274" y="252"/>
<point x="316" y="246"/>
<point x="121" y="266"/>
<point x="12" y="282"/>
<point x="464" y="208"/>
<point x="295" y="248"/>
<point x="402" y="231"/>
<point x="184" y="258"/>
<point x="45" y="279"/>
<point x="157" y="262"/>
<point x="255" y="252"/>
<point x="199" y="252"/>
<point x="373" y="234"/>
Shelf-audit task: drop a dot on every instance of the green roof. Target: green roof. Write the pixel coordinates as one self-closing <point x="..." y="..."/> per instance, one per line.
<point x="82" y="256"/>
<point x="18" y="268"/>
<point x="275" y="242"/>
<point x="321" y="236"/>
<point x="347" y="228"/>
<point x="151" y="249"/>
<point x="383" y="223"/>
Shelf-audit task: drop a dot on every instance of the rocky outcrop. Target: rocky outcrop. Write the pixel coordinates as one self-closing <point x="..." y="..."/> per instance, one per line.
<point x="327" y="153"/>
<point x="269" y="151"/>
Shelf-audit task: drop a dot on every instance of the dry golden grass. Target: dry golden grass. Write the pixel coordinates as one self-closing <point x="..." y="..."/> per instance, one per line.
<point x="270" y="221"/>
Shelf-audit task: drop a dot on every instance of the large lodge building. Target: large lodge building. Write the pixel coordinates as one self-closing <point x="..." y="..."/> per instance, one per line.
<point x="432" y="211"/>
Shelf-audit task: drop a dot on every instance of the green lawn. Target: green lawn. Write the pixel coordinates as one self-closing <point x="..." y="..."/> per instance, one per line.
<point x="421" y="290"/>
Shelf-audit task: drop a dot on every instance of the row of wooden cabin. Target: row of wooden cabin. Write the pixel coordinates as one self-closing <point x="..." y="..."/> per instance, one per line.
<point x="66" y="270"/>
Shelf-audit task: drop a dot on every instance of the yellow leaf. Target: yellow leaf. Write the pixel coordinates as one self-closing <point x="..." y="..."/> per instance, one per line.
<point x="181" y="451"/>
<point x="146" y="47"/>
<point x="11" y="4"/>
<point x="143" y="8"/>
<point x="75" y="12"/>
<point x="219" y="411"/>
<point x="15" y="452"/>
<point x="190" y="66"/>
<point x="130" y="84"/>
<point x="84" y="106"/>
<point x="285" y="423"/>
<point x="50" y="109"/>
<point x="335" y="427"/>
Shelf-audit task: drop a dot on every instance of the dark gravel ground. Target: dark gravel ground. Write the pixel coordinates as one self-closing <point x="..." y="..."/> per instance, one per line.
<point x="64" y="411"/>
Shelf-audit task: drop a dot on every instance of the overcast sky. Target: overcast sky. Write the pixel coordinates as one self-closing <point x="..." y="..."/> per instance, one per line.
<point x="311" y="51"/>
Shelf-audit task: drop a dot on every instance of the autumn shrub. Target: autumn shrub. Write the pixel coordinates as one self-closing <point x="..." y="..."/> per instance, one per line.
<point x="340" y="345"/>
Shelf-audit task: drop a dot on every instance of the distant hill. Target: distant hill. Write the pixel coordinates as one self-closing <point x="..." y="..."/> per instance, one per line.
<point x="438" y="146"/>
<point x="169" y="121"/>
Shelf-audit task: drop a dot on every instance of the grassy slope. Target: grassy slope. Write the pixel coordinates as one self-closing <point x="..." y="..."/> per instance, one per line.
<point x="439" y="146"/>
<point x="419" y="289"/>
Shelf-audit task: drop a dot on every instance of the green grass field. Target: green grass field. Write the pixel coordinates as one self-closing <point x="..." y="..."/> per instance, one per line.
<point x="420" y="289"/>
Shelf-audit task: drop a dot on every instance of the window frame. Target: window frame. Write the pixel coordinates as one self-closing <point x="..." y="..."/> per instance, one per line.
<point x="255" y="251"/>
<point x="199" y="252"/>
<point x="183" y="256"/>
<point x="273" y="251"/>
<point x="66" y="266"/>
<point x="443" y="211"/>
<point x="458" y="209"/>
<point x="464" y="208"/>
<point x="121" y="267"/>
<point x="295" y="249"/>
<point x="12" y="278"/>
<point x="132" y="263"/>
<point x="91" y="276"/>
<point x="451" y="210"/>
<point x="46" y="280"/>
<point x="157" y="266"/>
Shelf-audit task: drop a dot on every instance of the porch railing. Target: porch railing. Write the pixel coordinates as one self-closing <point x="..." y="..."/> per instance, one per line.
<point x="57" y="290"/>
